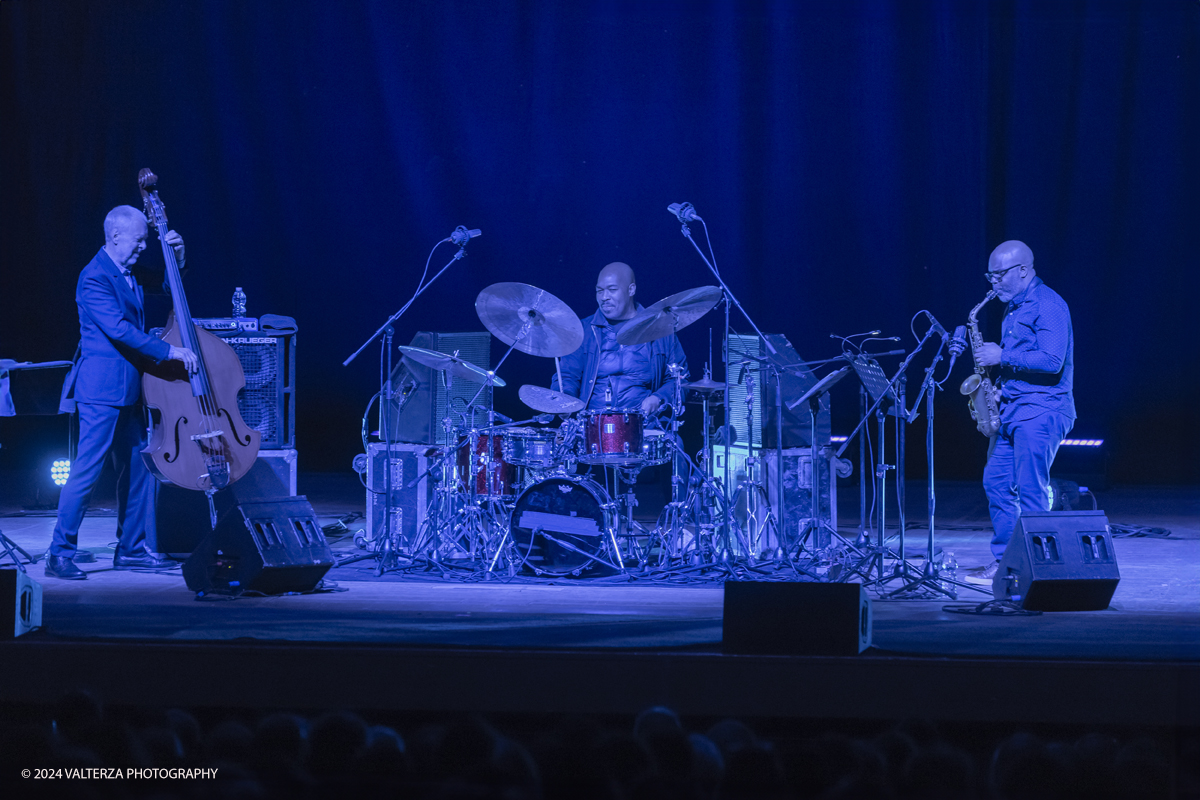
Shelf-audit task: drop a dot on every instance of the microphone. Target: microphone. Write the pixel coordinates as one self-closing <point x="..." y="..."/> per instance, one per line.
<point x="684" y="212"/>
<point x="957" y="345"/>
<point x="936" y="326"/>
<point x="461" y="235"/>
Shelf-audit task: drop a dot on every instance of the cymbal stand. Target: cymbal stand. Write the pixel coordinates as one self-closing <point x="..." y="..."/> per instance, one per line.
<point x="673" y="518"/>
<point x="441" y="513"/>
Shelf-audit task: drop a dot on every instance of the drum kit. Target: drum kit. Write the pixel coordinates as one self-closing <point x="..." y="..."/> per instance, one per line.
<point x="557" y="500"/>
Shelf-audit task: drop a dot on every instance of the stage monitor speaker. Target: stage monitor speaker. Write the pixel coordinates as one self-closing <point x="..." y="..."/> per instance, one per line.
<point x="801" y="619"/>
<point x="420" y="399"/>
<point x="1059" y="561"/>
<point x="267" y="546"/>
<point x="181" y="515"/>
<point x="21" y="604"/>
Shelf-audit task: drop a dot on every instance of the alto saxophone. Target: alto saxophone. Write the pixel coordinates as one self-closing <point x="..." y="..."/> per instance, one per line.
<point x="982" y="396"/>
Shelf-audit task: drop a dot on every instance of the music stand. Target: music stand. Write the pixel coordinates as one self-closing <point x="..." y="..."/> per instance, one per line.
<point x="35" y="399"/>
<point x="817" y="523"/>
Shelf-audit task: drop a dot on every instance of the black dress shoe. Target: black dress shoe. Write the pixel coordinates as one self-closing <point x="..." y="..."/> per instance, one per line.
<point x="63" y="567"/>
<point x="84" y="557"/>
<point x="143" y="561"/>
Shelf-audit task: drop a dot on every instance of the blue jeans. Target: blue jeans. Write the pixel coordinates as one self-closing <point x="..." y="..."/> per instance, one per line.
<point x="102" y="430"/>
<point x="1017" y="476"/>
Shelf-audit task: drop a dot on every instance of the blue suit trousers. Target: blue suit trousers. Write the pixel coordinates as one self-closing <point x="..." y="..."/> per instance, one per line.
<point x="1017" y="476"/>
<point x="119" y="430"/>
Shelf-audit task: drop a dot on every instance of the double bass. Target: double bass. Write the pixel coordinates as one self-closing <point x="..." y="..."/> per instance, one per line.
<point x="198" y="439"/>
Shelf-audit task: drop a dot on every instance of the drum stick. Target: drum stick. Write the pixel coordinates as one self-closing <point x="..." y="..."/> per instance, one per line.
<point x="558" y="369"/>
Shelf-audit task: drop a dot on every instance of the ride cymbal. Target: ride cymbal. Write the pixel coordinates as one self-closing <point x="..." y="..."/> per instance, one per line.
<point x="531" y="319"/>
<point x="669" y="315"/>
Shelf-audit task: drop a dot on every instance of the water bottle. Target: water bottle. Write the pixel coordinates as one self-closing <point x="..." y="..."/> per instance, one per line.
<point x="948" y="571"/>
<point x="239" y="303"/>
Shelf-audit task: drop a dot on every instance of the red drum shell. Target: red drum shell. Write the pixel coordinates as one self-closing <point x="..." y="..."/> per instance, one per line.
<point x="612" y="436"/>
<point x="503" y="474"/>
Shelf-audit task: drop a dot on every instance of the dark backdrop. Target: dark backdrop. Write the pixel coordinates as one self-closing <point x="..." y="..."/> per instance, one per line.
<point x="855" y="161"/>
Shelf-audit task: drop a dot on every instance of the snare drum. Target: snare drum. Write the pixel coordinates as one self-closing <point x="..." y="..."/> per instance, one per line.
<point x="612" y="437"/>
<point x="562" y="524"/>
<point x="489" y="450"/>
<point x="530" y="447"/>
<point x="656" y="447"/>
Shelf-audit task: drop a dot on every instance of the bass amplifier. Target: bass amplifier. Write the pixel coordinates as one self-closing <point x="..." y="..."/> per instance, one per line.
<point x="268" y="356"/>
<point x="420" y="397"/>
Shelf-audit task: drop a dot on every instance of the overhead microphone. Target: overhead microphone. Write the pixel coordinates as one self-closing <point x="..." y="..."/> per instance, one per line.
<point x="684" y="212"/>
<point x="461" y="235"/>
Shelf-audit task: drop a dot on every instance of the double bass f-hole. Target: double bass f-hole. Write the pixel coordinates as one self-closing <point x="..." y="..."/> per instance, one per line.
<point x="199" y="439"/>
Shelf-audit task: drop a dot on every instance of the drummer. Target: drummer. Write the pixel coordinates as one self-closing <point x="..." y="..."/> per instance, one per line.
<point x="605" y="374"/>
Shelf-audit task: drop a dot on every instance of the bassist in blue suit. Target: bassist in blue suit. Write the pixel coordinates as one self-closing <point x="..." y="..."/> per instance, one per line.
<point x="105" y="387"/>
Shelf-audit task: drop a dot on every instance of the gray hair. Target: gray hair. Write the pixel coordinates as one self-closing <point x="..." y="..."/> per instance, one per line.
<point x="121" y="217"/>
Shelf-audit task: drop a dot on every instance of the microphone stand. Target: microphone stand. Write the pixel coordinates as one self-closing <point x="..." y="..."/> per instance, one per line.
<point x="930" y="578"/>
<point x="387" y="554"/>
<point x="731" y="298"/>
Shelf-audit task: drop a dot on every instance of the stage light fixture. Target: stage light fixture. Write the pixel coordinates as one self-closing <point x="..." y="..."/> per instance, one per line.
<point x="1082" y="442"/>
<point x="837" y="439"/>
<point x="60" y="470"/>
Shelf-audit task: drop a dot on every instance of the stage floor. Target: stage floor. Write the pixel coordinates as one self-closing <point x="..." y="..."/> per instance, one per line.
<point x="552" y="645"/>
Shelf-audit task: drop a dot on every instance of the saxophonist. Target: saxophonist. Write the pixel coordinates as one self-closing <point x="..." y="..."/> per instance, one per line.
<point x="1034" y="360"/>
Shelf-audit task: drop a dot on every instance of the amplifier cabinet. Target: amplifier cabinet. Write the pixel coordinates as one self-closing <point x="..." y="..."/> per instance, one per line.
<point x="420" y="397"/>
<point x="268" y="402"/>
<point x="798" y="494"/>
<point x="408" y="504"/>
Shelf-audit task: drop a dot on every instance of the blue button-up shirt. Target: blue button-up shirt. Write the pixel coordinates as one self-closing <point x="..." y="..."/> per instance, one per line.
<point x="1037" y="364"/>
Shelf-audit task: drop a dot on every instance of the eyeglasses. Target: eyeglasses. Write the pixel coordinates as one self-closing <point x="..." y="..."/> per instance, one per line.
<point x="996" y="277"/>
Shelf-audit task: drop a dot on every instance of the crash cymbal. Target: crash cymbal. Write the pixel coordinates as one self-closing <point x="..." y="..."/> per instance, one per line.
<point x="548" y="401"/>
<point x="705" y="385"/>
<point x="531" y="319"/>
<point x="445" y="362"/>
<point x="669" y="315"/>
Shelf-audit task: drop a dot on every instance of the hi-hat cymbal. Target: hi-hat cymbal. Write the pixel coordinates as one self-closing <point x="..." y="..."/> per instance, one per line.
<point x="548" y="401"/>
<point x="445" y="362"/>
<point x="669" y="315"/>
<point x="531" y="319"/>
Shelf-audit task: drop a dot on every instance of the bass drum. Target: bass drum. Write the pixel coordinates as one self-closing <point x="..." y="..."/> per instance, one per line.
<point x="561" y="525"/>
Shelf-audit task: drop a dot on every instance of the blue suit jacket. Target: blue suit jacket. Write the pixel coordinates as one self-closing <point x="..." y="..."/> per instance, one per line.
<point x="113" y="344"/>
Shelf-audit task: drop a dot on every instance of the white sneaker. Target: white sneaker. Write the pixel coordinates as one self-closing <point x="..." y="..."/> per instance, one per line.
<point x="983" y="576"/>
